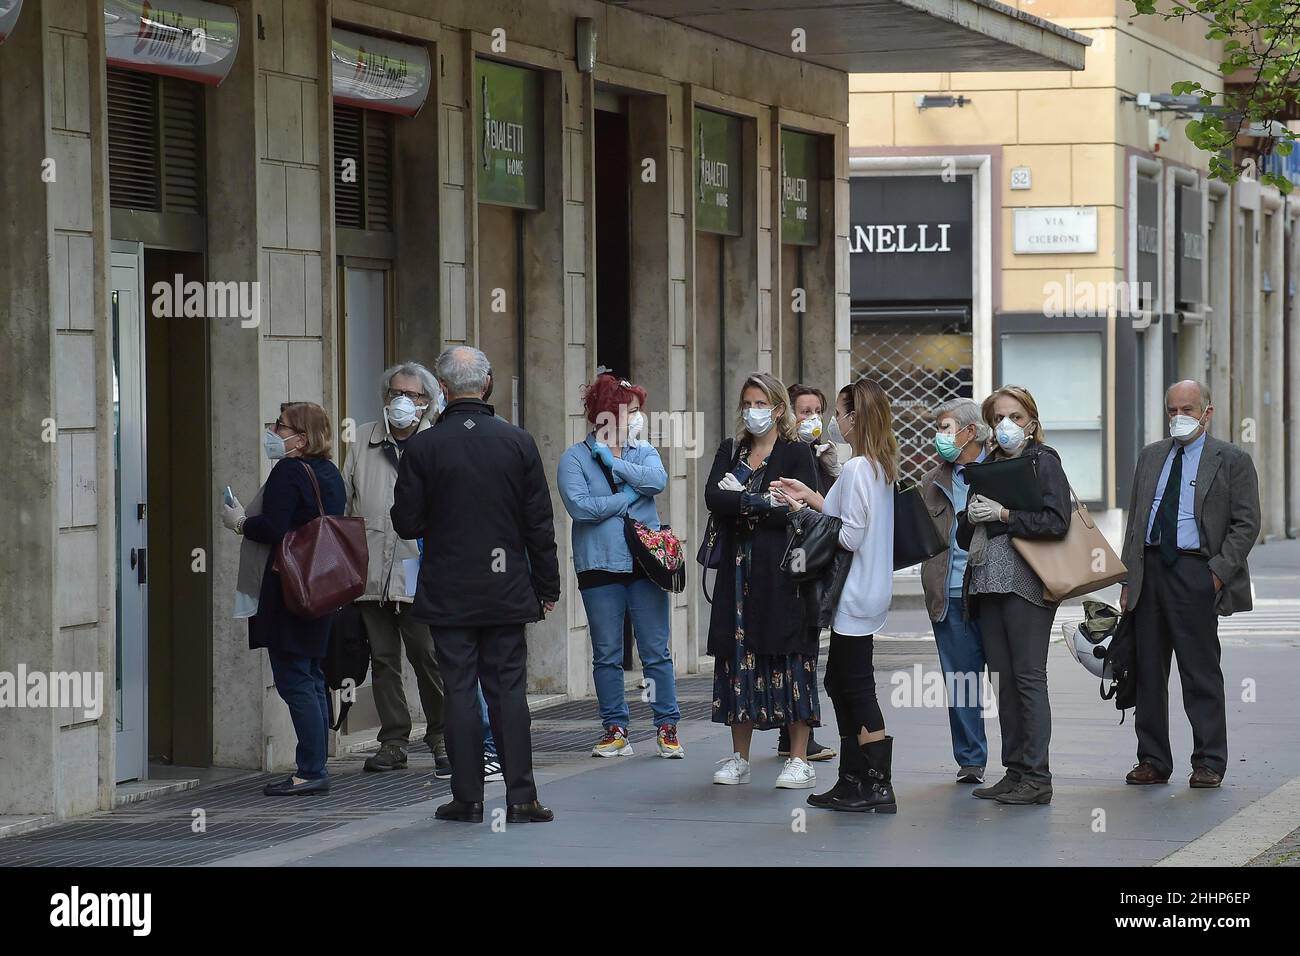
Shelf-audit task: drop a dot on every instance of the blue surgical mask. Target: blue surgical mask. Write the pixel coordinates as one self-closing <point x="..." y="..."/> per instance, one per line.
<point x="273" y="445"/>
<point x="947" y="447"/>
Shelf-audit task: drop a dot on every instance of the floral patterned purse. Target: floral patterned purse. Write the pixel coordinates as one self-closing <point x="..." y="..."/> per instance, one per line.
<point x="659" y="553"/>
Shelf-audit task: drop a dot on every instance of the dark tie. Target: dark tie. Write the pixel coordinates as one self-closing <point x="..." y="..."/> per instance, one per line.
<point x="1167" y="513"/>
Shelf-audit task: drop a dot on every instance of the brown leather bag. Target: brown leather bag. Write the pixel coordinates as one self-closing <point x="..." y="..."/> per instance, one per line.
<point x="322" y="564"/>
<point x="1079" y="563"/>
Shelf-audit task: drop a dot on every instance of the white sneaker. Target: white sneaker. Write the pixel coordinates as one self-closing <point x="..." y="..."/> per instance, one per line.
<point x="734" y="770"/>
<point x="797" y="775"/>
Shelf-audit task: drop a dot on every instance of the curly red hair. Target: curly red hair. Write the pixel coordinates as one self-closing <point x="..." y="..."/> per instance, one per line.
<point x="607" y="393"/>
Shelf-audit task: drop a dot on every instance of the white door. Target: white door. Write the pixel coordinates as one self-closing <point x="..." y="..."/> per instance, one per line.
<point x="127" y="303"/>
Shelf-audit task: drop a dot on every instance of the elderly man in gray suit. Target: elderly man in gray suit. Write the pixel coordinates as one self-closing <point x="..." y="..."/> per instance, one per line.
<point x="1192" y="521"/>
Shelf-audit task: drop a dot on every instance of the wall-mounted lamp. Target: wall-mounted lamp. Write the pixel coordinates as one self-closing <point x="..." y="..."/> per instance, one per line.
<point x="926" y="102"/>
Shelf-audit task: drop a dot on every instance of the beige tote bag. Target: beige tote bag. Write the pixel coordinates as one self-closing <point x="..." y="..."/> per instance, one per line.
<point x="1079" y="563"/>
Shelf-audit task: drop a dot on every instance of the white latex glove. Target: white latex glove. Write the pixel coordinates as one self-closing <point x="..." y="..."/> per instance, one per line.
<point x="819" y="450"/>
<point x="729" y="482"/>
<point x="231" y="515"/>
<point x="980" y="509"/>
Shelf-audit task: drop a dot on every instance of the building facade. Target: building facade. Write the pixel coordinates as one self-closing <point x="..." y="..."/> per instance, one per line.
<point x="1057" y="230"/>
<point x="213" y="208"/>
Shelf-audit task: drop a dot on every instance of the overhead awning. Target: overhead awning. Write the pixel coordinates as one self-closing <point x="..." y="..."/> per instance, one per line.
<point x="885" y="36"/>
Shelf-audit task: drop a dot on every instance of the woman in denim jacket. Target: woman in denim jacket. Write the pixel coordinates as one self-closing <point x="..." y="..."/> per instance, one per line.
<point x="612" y="584"/>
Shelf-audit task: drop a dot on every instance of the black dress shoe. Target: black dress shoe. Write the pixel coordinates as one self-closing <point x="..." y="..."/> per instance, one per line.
<point x="528" y="813"/>
<point x="460" y="810"/>
<point x="1203" y="778"/>
<point x="287" y="788"/>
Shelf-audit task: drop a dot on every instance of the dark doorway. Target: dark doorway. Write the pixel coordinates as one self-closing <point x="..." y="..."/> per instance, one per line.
<point x="613" y="241"/>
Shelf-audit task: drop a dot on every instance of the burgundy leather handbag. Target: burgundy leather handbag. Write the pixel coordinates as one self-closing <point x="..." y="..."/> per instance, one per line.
<point x="322" y="564"/>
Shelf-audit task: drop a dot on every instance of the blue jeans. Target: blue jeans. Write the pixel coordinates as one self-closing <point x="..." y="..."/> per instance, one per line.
<point x="961" y="655"/>
<point x="647" y="604"/>
<point x="489" y="742"/>
<point x="301" y="685"/>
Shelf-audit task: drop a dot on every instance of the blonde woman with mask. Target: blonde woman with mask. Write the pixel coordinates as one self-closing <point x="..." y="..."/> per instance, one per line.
<point x="765" y="672"/>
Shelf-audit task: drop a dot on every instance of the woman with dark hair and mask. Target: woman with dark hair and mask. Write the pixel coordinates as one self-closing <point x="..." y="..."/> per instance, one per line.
<point x="1004" y="594"/>
<point x="765" y="672"/>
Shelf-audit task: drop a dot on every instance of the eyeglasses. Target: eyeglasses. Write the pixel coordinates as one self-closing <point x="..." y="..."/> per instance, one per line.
<point x="394" y="393"/>
<point x="272" y="426"/>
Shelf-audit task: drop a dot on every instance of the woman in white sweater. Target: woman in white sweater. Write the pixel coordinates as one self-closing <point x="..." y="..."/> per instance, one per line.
<point x="863" y="500"/>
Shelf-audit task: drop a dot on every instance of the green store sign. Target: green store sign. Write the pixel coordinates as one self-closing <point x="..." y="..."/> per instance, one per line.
<point x="718" y="139"/>
<point x="508" y="109"/>
<point x="800" y="192"/>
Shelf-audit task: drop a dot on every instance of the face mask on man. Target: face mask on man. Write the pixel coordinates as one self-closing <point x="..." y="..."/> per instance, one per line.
<point x="1011" y="437"/>
<point x="1182" y="426"/>
<point x="635" y="426"/>
<point x="273" y="445"/>
<point x="441" y="405"/>
<point x="810" y="429"/>
<point x="402" y="412"/>
<point x="947" y="447"/>
<point x="758" y="421"/>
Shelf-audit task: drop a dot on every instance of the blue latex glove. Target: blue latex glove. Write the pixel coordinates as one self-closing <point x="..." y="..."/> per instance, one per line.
<point x="631" y="494"/>
<point x="600" y="451"/>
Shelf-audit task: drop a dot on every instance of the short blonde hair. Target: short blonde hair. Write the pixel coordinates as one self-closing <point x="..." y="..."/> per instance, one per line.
<point x="1021" y="395"/>
<point x="776" y="395"/>
<point x="313" y="422"/>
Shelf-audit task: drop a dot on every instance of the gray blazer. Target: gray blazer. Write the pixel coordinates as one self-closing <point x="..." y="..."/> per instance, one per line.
<point x="1227" y="517"/>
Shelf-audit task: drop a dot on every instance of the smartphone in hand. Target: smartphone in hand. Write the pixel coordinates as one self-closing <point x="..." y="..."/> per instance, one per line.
<point x="229" y="497"/>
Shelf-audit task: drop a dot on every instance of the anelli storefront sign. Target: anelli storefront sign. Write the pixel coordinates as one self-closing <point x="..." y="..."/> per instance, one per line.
<point x="909" y="238"/>
<point x="508" y="106"/>
<point x="9" y="10"/>
<point x="800" y="192"/>
<point x="190" y="39"/>
<point x="378" y="74"/>
<point x="718" y="139"/>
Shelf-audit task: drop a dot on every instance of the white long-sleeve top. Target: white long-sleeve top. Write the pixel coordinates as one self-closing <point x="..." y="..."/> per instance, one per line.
<point x="864" y="502"/>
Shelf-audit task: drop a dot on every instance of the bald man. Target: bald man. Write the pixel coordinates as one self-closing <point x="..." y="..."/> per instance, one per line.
<point x="1192" y="520"/>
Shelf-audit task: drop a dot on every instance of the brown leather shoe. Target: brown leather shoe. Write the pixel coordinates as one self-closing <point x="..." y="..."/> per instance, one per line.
<point x="1203" y="778"/>
<point x="1146" y="773"/>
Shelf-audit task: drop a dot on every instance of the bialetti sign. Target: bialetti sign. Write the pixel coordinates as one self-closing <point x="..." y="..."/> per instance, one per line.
<point x="800" y="188"/>
<point x="508" y="105"/>
<point x="1148" y="236"/>
<point x="910" y="238"/>
<point x="9" y="10"/>
<point x="718" y="140"/>
<point x="1055" y="230"/>
<point x="378" y="74"/>
<point x="1189" y="245"/>
<point x="189" y="39"/>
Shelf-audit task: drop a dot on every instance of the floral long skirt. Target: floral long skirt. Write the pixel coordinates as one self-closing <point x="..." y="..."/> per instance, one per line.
<point x="768" y="690"/>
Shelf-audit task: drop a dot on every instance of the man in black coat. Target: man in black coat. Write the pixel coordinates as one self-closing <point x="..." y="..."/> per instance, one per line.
<point x="474" y="489"/>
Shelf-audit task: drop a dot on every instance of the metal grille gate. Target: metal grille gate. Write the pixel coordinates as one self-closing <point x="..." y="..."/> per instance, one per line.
<point x="919" y="362"/>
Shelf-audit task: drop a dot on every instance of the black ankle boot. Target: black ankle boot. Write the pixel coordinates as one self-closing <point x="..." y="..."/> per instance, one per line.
<point x="873" y="789"/>
<point x="851" y="768"/>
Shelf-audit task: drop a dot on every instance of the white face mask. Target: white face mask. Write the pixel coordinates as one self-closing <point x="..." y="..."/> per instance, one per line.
<point x="1011" y="437"/>
<point x="273" y="445"/>
<point x="402" y="412"/>
<point x="758" y="421"/>
<point x="1182" y="426"/>
<point x="635" y="426"/>
<point x="441" y="405"/>
<point x="810" y="429"/>
<point x="834" y="433"/>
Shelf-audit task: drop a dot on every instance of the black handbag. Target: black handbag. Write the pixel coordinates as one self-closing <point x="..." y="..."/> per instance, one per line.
<point x="916" y="539"/>
<point x="811" y="545"/>
<point x="710" y="554"/>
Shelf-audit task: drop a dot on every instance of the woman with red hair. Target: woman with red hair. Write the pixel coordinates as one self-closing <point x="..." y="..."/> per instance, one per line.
<point x="611" y="473"/>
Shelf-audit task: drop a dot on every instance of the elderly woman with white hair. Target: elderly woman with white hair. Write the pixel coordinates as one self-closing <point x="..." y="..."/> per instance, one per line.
<point x="961" y="437"/>
<point x="412" y="399"/>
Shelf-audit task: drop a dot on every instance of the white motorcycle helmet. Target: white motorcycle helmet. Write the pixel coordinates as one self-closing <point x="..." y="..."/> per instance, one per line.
<point x="1091" y="656"/>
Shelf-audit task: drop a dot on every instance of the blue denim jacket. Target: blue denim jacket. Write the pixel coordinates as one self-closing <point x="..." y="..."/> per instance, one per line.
<point x="598" y="542"/>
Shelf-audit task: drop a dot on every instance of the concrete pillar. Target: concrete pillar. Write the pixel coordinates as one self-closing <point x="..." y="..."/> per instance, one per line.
<point x="28" y="539"/>
<point x="1272" y="382"/>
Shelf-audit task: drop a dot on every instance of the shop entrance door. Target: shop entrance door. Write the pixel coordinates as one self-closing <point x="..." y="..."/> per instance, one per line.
<point x="131" y="688"/>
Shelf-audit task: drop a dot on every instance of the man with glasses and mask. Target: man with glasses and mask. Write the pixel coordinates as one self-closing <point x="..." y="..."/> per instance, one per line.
<point x="1192" y="520"/>
<point x="412" y="399"/>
